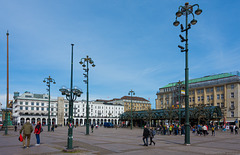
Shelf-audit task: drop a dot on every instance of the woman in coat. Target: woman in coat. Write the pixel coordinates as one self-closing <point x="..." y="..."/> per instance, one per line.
<point x="37" y="132"/>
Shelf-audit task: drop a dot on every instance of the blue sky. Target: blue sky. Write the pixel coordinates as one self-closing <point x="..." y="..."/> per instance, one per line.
<point x="132" y="42"/>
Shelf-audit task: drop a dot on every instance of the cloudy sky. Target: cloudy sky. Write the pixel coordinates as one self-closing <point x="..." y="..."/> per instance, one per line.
<point x="132" y="42"/>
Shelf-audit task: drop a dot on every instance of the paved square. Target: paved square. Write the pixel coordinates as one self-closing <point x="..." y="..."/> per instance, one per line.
<point x="120" y="141"/>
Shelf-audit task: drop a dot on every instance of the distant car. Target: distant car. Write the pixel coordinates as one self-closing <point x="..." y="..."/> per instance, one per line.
<point x="108" y="125"/>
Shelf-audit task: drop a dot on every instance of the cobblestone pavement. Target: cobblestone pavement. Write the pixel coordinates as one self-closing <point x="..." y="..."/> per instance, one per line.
<point x="121" y="141"/>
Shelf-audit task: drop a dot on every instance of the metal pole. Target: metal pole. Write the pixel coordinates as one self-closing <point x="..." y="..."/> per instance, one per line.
<point x="70" y="125"/>
<point x="179" y="102"/>
<point x="87" y="125"/>
<point x="6" y="113"/>
<point x="131" y="112"/>
<point x="187" y="125"/>
<point x="48" y="104"/>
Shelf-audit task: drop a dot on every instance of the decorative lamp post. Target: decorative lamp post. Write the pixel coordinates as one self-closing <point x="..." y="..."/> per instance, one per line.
<point x="186" y="10"/>
<point x="71" y="96"/>
<point x="131" y="93"/>
<point x="48" y="82"/>
<point x="85" y="63"/>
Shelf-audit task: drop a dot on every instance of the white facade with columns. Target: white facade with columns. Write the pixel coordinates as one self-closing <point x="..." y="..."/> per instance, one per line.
<point x="35" y="107"/>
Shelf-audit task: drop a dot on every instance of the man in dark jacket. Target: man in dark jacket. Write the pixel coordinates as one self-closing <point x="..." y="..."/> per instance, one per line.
<point x="27" y="130"/>
<point x="145" y="135"/>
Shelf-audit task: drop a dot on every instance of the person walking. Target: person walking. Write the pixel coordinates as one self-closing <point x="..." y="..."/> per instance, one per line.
<point x="37" y="131"/>
<point x="170" y="129"/>
<point x="27" y="129"/>
<point x="92" y="126"/>
<point x="213" y="130"/>
<point x="145" y="135"/>
<point x="236" y="130"/>
<point x="152" y="134"/>
<point x="53" y="128"/>
<point x="15" y="128"/>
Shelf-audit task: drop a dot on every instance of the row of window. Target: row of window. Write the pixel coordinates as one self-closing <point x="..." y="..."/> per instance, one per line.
<point x="35" y="108"/>
<point x="34" y="104"/>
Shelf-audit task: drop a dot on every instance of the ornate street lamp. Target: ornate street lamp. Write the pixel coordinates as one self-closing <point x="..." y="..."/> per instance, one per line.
<point x="71" y="96"/>
<point x="48" y="82"/>
<point x="186" y="10"/>
<point x="131" y="93"/>
<point x="85" y="62"/>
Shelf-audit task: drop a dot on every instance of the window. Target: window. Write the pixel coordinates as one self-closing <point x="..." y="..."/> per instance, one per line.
<point x="21" y="108"/>
<point x="21" y="103"/>
<point x="198" y="91"/>
<point x="26" y="103"/>
<point x="208" y="98"/>
<point x="218" y="89"/>
<point x="232" y="86"/>
<point x="222" y="105"/>
<point x="201" y="90"/>
<point x="32" y="103"/>
<point x="211" y="97"/>
<point x="218" y="96"/>
<point x="37" y="108"/>
<point x="232" y="105"/>
<point x="37" y="104"/>
<point x="211" y="89"/>
<point x="42" y="109"/>
<point x="202" y="98"/>
<point x="232" y="113"/>
<point x="207" y="90"/>
<point x="193" y="99"/>
<point x="222" y="96"/>
<point x="26" y="108"/>
<point x="211" y="104"/>
<point x="218" y="104"/>
<point x="32" y="108"/>
<point x="198" y="98"/>
<point x="65" y="110"/>
<point x="161" y="102"/>
<point x="42" y="104"/>
<point x="232" y="95"/>
<point x="51" y="109"/>
<point x="190" y="99"/>
<point x="222" y="88"/>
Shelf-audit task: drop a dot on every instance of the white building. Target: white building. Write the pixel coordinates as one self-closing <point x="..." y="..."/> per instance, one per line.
<point x="35" y="107"/>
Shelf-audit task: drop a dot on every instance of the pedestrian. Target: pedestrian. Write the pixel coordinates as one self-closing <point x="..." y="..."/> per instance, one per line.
<point x="37" y="131"/>
<point x="152" y="134"/>
<point x="27" y="130"/>
<point x="170" y="129"/>
<point x="236" y="130"/>
<point x="15" y="128"/>
<point x="231" y="128"/>
<point x="92" y="126"/>
<point x="213" y="130"/>
<point x="183" y="130"/>
<point x="52" y="129"/>
<point x="145" y="135"/>
<point x="204" y="128"/>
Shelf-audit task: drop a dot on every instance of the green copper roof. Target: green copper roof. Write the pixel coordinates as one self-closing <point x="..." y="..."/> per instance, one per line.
<point x="202" y="79"/>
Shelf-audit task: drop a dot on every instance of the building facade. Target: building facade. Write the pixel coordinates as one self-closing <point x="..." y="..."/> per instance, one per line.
<point x="221" y="90"/>
<point x="35" y="107"/>
<point x="138" y="103"/>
